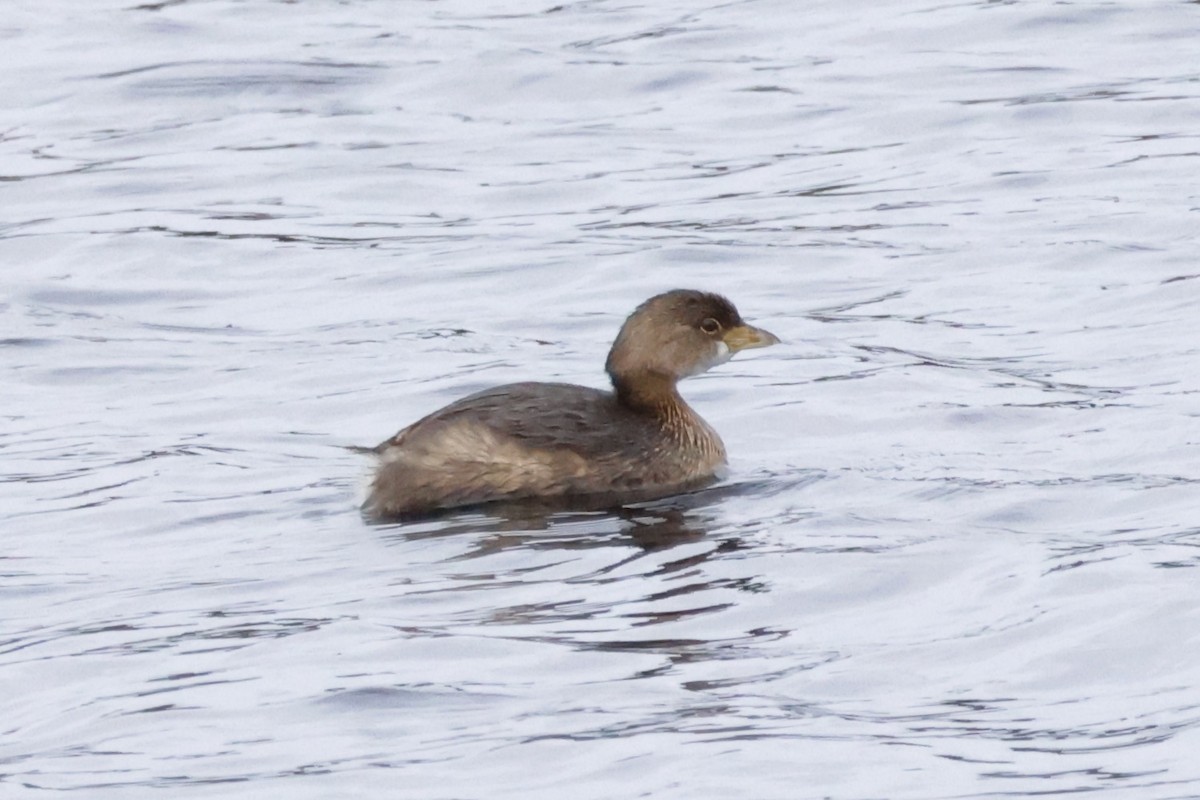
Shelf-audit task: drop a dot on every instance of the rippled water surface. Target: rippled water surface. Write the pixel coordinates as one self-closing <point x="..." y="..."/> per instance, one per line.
<point x="957" y="553"/>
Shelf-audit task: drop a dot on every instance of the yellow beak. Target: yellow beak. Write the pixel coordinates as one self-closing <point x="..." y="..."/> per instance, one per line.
<point x="748" y="337"/>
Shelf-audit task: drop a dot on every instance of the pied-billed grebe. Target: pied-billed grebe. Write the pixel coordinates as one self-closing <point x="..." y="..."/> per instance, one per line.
<point x="571" y="445"/>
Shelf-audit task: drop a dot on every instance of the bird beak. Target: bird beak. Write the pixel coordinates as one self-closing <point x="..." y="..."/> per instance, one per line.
<point x="748" y="337"/>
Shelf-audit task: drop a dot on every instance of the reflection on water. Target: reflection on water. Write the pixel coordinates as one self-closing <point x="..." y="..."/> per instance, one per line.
<point x="520" y="526"/>
<point x="954" y="558"/>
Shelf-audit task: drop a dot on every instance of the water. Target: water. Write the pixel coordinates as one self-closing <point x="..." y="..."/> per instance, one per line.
<point x="956" y="556"/>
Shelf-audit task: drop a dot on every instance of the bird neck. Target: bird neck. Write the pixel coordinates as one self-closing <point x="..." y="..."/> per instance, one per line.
<point x="649" y="392"/>
<point x="655" y="395"/>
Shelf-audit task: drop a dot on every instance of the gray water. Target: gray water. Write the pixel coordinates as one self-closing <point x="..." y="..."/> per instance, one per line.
<point x="956" y="556"/>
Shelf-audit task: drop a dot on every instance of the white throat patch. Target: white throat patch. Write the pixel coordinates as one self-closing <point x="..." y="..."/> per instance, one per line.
<point x="722" y="355"/>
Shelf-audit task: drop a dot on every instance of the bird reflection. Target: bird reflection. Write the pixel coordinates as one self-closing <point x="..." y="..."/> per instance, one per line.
<point x="629" y="579"/>
<point x="649" y="529"/>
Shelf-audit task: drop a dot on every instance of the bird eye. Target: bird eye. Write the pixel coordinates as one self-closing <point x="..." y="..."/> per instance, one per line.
<point x="710" y="325"/>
